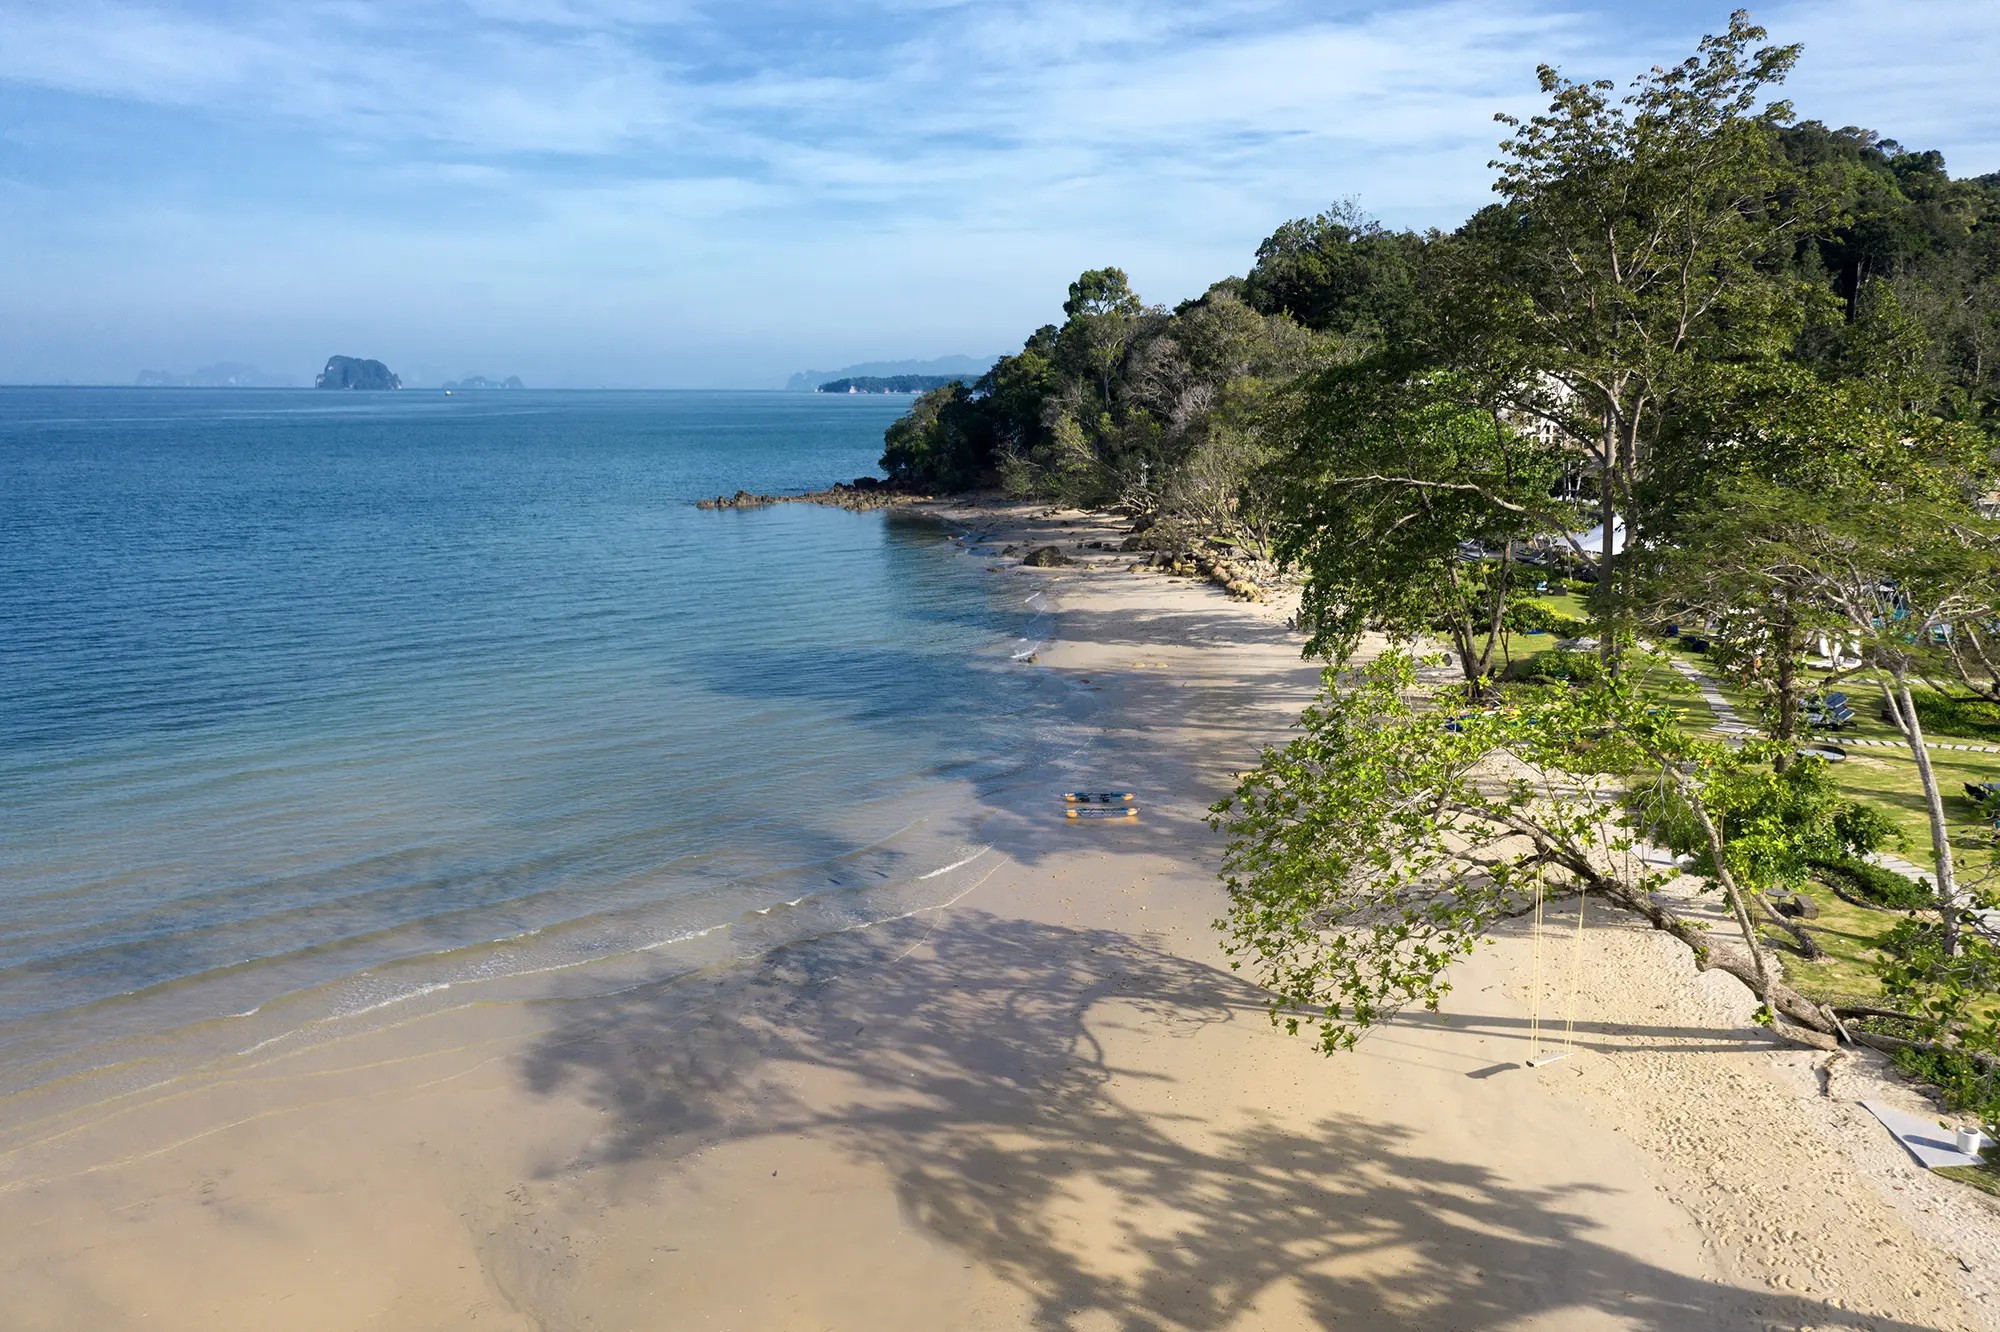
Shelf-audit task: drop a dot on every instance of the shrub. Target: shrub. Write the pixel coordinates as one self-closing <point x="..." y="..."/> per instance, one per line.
<point x="1919" y="943"/>
<point x="1973" y="718"/>
<point x="1873" y="884"/>
<point x="1575" y="667"/>
<point x="1862" y="828"/>
<point x="1962" y="1082"/>
<point x="1524" y="616"/>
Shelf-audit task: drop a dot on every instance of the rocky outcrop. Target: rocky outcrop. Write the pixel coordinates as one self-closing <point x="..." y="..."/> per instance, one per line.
<point x="742" y="499"/>
<point x="863" y="492"/>
<point x="1235" y="579"/>
<point x="1046" y="557"/>
<point x="475" y="383"/>
<point x="352" y="372"/>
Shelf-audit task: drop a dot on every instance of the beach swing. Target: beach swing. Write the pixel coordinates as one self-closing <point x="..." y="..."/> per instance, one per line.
<point x="1536" y="1055"/>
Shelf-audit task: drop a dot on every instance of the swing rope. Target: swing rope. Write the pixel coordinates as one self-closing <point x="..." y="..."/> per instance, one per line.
<point x="1535" y="1056"/>
<point x="1535" y="1005"/>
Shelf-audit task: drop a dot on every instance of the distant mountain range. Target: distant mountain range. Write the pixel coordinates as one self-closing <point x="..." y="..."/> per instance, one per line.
<point x="968" y="367"/>
<point x="474" y="382"/>
<point x="223" y="374"/>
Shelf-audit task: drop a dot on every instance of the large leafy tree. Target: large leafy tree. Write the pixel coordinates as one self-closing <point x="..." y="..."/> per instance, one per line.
<point x="1380" y="845"/>
<point x="1393" y="483"/>
<point x="1642" y="236"/>
<point x="1102" y="312"/>
<point x="1901" y="571"/>
<point x="1836" y="506"/>
<point x="1340" y="272"/>
<point x="1636" y="295"/>
<point x="945" y="443"/>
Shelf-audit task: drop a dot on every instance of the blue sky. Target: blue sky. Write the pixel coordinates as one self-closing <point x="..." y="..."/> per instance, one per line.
<point x="693" y="194"/>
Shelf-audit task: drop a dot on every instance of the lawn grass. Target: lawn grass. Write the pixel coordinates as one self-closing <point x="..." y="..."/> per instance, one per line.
<point x="1985" y="1176"/>
<point x="1850" y="971"/>
<point x="1564" y="603"/>
<point x="1887" y="779"/>
<point x="1655" y="680"/>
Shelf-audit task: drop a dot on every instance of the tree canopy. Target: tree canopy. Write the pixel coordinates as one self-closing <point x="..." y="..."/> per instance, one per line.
<point x="1709" y="368"/>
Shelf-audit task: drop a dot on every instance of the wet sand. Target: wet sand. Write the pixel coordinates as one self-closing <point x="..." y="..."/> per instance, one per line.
<point x="1049" y="1104"/>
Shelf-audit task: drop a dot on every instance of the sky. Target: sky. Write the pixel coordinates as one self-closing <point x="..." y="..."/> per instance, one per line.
<point x="717" y="193"/>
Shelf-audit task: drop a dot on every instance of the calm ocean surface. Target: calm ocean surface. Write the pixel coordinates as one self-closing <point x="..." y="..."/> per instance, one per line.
<point x="312" y="705"/>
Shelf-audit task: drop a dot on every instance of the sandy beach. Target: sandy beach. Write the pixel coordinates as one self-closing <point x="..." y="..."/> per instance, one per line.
<point x="1048" y="1103"/>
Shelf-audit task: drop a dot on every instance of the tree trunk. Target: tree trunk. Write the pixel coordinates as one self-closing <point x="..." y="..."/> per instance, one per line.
<point x="1903" y="709"/>
<point x="1784" y="638"/>
<point x="1737" y="906"/>
<point x="1787" y="1002"/>
<point x="1808" y="945"/>
<point x="1462" y="632"/>
<point x="1607" y="554"/>
<point x="1496" y="625"/>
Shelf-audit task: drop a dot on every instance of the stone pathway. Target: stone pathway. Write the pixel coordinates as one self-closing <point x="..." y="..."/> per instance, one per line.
<point x="1987" y="920"/>
<point x="1846" y="742"/>
<point x="1726" y="718"/>
<point x="1908" y="869"/>
<point x="1730" y="722"/>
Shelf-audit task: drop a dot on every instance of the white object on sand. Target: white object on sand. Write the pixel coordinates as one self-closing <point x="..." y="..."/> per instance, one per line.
<point x="1932" y="1144"/>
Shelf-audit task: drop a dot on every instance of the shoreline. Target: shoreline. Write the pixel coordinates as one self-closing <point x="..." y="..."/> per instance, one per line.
<point x="1044" y="1102"/>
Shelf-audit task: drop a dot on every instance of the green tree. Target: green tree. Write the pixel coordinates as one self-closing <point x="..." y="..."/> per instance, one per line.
<point x="1777" y="825"/>
<point x="1392" y="482"/>
<point x="1902" y="571"/>
<point x="1839" y="506"/>
<point x="1101" y="312"/>
<point x="1339" y="272"/>
<point x="1640" y="237"/>
<point x="1380" y="845"/>
<point x="1946" y="988"/>
<point x="944" y="442"/>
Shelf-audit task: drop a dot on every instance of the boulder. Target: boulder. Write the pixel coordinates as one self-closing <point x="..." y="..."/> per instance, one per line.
<point x="1045" y="557"/>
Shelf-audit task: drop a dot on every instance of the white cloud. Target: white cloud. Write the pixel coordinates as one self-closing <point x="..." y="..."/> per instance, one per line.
<point x="1920" y="73"/>
<point x="658" y="182"/>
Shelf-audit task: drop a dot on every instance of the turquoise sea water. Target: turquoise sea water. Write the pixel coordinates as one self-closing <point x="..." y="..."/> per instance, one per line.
<point x="312" y="705"/>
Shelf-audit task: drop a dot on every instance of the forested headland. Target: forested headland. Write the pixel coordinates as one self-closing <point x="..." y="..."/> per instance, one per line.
<point x="1710" y="392"/>
<point x="889" y="383"/>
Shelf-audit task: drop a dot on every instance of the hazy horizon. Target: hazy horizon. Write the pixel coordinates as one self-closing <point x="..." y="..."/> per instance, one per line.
<point x="599" y="193"/>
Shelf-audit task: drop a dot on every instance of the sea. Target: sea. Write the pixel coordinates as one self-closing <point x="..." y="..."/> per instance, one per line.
<point x="320" y="709"/>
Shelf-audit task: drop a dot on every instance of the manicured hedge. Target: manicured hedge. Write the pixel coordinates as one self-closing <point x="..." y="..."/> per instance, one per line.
<point x="1873" y="884"/>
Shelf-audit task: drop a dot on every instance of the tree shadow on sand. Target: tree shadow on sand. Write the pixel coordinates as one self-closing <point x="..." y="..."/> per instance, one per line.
<point x="969" y="1066"/>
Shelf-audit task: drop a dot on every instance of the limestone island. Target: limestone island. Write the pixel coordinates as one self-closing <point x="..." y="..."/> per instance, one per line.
<point x="351" y="372"/>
